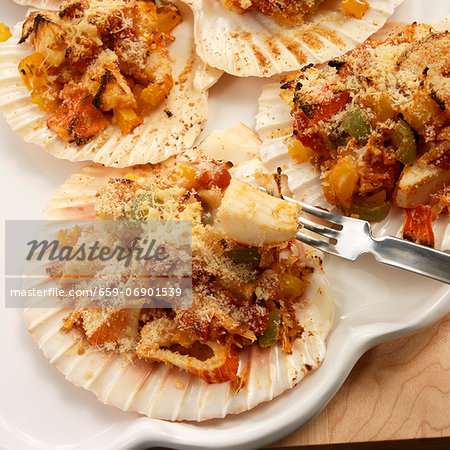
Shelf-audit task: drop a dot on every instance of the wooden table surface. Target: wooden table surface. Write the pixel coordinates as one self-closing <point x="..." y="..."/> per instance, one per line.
<point x="397" y="390"/>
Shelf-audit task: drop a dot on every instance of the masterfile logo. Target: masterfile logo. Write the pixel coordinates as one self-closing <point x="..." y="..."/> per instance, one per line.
<point x="100" y="264"/>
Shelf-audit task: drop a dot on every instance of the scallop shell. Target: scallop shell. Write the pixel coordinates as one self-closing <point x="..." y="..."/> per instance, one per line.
<point x="274" y="125"/>
<point x="159" y="137"/>
<point x="161" y="391"/>
<point x="43" y="4"/>
<point x="251" y="44"/>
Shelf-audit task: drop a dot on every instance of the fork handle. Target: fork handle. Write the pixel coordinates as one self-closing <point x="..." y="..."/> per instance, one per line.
<point x="413" y="257"/>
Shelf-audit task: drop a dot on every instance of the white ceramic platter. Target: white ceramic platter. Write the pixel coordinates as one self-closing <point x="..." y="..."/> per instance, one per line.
<point x="40" y="409"/>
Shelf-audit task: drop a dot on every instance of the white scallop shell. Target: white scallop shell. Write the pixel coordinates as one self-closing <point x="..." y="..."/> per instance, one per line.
<point x="47" y="4"/>
<point x="274" y="125"/>
<point x="251" y="44"/>
<point x="158" y="138"/>
<point x="161" y="391"/>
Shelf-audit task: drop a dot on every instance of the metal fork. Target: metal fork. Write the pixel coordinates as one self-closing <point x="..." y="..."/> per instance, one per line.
<point x="355" y="239"/>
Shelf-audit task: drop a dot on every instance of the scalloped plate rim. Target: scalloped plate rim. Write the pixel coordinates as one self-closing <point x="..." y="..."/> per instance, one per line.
<point x="142" y="431"/>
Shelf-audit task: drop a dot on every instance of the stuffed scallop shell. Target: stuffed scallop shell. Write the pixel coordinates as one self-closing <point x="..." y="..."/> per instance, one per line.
<point x="49" y="4"/>
<point x="175" y="385"/>
<point x="250" y="43"/>
<point x="360" y="122"/>
<point x="123" y="87"/>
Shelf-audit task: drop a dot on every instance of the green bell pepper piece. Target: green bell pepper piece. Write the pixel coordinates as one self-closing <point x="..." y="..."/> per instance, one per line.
<point x="373" y="212"/>
<point x="357" y="126"/>
<point x="244" y="255"/>
<point x="207" y="218"/>
<point x="137" y="207"/>
<point x="403" y="139"/>
<point x="270" y="336"/>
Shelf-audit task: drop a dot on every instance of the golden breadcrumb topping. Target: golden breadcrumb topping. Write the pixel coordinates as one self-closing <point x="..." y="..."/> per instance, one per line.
<point x="283" y="11"/>
<point x="376" y="123"/>
<point x="292" y="12"/>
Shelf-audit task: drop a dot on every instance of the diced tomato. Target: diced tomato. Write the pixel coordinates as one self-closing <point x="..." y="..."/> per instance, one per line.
<point x="330" y="107"/>
<point x="418" y="226"/>
<point x="219" y="177"/>
<point x="309" y="139"/>
<point x="304" y="124"/>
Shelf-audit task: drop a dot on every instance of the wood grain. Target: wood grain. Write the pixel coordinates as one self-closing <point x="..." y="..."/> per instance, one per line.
<point x="397" y="390"/>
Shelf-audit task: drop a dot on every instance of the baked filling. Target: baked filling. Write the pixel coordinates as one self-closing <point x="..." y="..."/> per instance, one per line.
<point x="243" y="294"/>
<point x="292" y="12"/>
<point x="376" y="122"/>
<point x="284" y="11"/>
<point x="98" y="62"/>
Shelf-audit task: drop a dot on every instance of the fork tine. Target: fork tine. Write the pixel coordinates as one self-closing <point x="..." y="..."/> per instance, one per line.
<point x="322" y="214"/>
<point x="317" y="243"/>
<point x="317" y="212"/>
<point x="335" y="219"/>
<point x="317" y="228"/>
